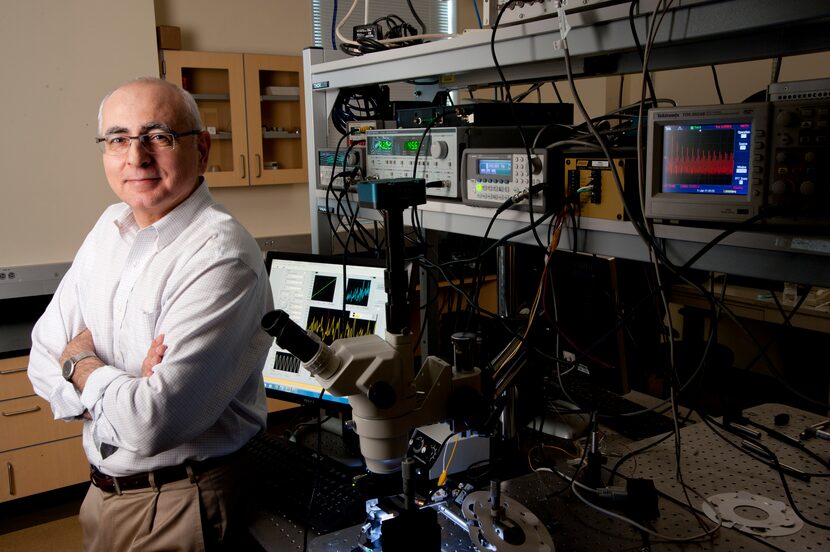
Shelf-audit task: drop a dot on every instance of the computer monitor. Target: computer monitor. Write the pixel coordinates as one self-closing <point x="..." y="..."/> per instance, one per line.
<point x="316" y="294"/>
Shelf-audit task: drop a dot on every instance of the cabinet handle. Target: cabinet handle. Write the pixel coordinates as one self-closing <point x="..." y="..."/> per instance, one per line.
<point x="242" y="157"/>
<point x="10" y="475"/>
<point x="23" y="411"/>
<point x="258" y="165"/>
<point x="13" y="371"/>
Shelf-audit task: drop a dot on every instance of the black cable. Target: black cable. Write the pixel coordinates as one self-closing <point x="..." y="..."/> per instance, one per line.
<point x="717" y="83"/>
<point x="396" y="27"/>
<point x="415" y="15"/>
<point x="791" y="441"/>
<point x="416" y="223"/>
<point x="776" y="70"/>
<point x="333" y="26"/>
<point x="620" y="95"/>
<point x="556" y="91"/>
<point x="510" y="105"/>
<point x="346" y="106"/>
<point x="330" y="192"/>
<point x="650" y="84"/>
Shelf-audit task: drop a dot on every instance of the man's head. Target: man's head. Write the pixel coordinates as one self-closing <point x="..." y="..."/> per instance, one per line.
<point x="152" y="183"/>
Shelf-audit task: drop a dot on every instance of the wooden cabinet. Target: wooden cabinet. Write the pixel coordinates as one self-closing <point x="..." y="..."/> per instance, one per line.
<point x="254" y="106"/>
<point x="37" y="452"/>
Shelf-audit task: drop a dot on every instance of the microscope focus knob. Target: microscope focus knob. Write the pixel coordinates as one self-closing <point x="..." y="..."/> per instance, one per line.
<point x="382" y="394"/>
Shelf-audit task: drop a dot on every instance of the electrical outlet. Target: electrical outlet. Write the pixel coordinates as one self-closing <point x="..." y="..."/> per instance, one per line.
<point x="266" y="243"/>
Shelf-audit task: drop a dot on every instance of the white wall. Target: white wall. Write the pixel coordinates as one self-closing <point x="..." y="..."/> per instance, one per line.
<point x="58" y="59"/>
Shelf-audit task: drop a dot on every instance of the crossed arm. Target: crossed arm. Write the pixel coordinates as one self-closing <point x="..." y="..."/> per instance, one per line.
<point x="83" y="342"/>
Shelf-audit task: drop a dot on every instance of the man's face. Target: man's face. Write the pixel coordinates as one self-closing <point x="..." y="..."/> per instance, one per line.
<point x="152" y="185"/>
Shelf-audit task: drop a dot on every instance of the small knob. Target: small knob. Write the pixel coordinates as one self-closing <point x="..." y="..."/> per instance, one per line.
<point x="439" y="149"/>
<point x="781" y="156"/>
<point x="807" y="188"/>
<point x="810" y="156"/>
<point x="352" y="158"/>
<point x="382" y="395"/>
<point x="779" y="187"/>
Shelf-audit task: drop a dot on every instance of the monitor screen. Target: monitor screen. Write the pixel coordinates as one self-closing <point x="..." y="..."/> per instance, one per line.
<point x="706" y="158"/>
<point x="314" y="292"/>
<point x="706" y="165"/>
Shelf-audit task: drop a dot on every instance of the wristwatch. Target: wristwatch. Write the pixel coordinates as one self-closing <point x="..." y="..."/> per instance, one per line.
<point x="69" y="364"/>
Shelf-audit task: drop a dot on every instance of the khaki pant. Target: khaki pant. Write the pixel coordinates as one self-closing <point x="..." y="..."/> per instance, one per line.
<point x="210" y="514"/>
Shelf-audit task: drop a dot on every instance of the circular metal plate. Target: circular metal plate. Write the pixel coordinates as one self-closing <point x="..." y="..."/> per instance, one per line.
<point x="484" y="529"/>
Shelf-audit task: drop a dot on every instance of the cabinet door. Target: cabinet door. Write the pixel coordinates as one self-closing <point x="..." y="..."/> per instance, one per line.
<point x="33" y="470"/>
<point x="29" y="420"/>
<point x="276" y="119"/>
<point x="14" y="382"/>
<point x="217" y="83"/>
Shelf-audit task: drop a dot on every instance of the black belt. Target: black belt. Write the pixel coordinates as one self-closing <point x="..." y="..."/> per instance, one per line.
<point x="160" y="477"/>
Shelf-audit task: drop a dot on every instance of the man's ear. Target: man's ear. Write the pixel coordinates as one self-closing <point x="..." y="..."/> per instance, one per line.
<point x="203" y="145"/>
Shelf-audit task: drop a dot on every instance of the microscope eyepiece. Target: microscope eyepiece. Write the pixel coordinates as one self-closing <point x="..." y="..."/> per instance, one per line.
<point x="290" y="336"/>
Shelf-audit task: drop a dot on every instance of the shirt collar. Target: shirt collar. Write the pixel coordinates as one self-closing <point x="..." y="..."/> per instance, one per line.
<point x="173" y="223"/>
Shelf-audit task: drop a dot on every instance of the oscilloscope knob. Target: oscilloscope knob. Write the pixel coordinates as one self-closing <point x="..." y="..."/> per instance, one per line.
<point x="439" y="149"/>
<point x="535" y="165"/>
<point x="807" y="188"/>
<point x="352" y="158"/>
<point x="779" y="187"/>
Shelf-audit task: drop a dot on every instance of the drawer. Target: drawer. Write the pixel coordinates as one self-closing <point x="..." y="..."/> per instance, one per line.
<point x="33" y="470"/>
<point x="29" y="421"/>
<point x="14" y="382"/>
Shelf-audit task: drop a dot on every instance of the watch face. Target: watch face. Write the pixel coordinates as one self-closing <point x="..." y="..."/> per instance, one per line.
<point x="68" y="368"/>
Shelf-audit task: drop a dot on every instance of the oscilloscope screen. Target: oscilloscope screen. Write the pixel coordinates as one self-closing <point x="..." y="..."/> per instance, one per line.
<point x="706" y="158"/>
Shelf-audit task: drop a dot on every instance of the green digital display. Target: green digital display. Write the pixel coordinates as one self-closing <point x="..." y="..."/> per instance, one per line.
<point x="383" y="145"/>
<point x="411" y="145"/>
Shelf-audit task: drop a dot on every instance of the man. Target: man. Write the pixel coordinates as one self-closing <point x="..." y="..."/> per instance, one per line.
<point x="152" y="339"/>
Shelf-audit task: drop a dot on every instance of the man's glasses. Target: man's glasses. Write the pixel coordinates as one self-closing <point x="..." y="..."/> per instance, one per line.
<point x="153" y="142"/>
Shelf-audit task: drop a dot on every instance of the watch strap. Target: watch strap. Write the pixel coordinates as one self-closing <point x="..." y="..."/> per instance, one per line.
<point x="80" y="356"/>
<point x="72" y="361"/>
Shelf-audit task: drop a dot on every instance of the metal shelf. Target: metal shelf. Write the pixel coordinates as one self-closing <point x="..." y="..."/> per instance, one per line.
<point x="794" y="257"/>
<point x="701" y="33"/>
<point x="280" y="98"/>
<point x="280" y="134"/>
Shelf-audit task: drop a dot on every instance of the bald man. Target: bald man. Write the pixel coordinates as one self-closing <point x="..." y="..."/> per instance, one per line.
<point x="152" y="339"/>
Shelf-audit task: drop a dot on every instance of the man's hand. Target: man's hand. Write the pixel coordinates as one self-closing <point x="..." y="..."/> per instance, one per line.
<point x="154" y="356"/>
<point x="80" y="343"/>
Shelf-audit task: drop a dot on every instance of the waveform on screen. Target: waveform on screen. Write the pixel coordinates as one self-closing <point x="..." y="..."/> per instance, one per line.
<point x="331" y="324"/>
<point x="357" y="292"/>
<point x="323" y="288"/>
<point x="687" y="161"/>
<point x="700" y="157"/>
<point x="284" y="362"/>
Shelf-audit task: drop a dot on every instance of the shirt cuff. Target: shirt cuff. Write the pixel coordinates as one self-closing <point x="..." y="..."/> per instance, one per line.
<point x="65" y="402"/>
<point x="97" y="383"/>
